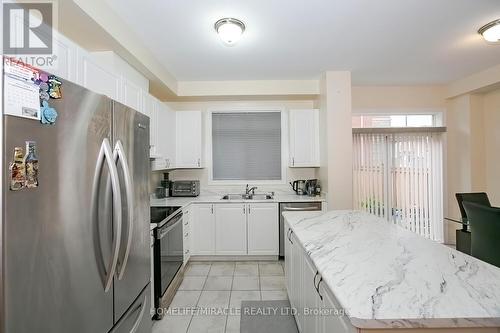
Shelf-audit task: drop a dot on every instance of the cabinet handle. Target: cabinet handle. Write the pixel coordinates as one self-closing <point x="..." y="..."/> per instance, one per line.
<point x="199" y="162"/>
<point x="248" y="209"/>
<point x="314" y="280"/>
<point x="244" y="209"/>
<point x="212" y="209"/>
<point x="293" y="161"/>
<point x="290" y="237"/>
<point x="320" y="296"/>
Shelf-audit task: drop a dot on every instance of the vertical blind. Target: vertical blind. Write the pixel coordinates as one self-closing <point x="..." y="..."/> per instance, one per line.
<point x="400" y="177"/>
<point x="246" y="145"/>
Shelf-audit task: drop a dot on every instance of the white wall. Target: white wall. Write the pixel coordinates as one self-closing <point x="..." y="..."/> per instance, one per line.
<point x="491" y="115"/>
<point x="336" y="138"/>
<point x="472" y="150"/>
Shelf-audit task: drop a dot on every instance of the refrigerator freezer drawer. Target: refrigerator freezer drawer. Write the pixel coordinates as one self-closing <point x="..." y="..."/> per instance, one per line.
<point x="137" y="318"/>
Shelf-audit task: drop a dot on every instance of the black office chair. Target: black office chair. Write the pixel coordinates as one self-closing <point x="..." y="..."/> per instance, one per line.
<point x="485" y="231"/>
<point x="478" y="197"/>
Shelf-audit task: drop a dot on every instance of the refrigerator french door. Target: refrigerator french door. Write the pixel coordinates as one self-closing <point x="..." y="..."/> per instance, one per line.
<point x="76" y="248"/>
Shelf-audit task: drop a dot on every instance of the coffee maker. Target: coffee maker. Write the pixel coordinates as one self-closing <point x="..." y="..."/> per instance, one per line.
<point x="299" y="186"/>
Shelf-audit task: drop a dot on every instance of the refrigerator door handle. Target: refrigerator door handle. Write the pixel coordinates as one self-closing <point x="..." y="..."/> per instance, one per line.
<point x="106" y="155"/>
<point x="119" y="155"/>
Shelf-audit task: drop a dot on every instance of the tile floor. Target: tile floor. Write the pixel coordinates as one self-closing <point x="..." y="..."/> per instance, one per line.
<point x="217" y="286"/>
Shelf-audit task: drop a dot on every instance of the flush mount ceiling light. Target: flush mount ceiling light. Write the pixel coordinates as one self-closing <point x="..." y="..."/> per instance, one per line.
<point x="491" y="31"/>
<point x="229" y="30"/>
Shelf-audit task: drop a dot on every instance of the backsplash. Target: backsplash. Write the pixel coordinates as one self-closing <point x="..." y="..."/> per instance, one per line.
<point x="202" y="176"/>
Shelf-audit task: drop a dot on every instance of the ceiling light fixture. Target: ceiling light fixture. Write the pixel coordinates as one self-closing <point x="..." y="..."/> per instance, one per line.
<point x="229" y="30"/>
<point x="491" y="31"/>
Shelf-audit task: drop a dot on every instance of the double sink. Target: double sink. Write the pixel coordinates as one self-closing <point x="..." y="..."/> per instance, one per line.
<point x="251" y="196"/>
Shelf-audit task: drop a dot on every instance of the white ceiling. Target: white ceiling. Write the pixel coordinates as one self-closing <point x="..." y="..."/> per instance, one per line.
<point x="380" y="41"/>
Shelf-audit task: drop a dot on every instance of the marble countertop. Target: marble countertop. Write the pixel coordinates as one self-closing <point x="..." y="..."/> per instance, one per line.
<point x="387" y="277"/>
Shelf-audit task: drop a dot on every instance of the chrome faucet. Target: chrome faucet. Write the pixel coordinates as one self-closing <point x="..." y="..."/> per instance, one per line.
<point x="248" y="190"/>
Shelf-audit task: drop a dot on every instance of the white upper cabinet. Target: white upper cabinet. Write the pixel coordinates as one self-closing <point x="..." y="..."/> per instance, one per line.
<point x="188" y="140"/>
<point x="165" y="139"/>
<point x="304" y="138"/>
<point x="133" y="95"/>
<point x="230" y="229"/>
<point x="263" y="238"/>
<point x="64" y="64"/>
<point x="133" y="85"/>
<point x="151" y="110"/>
<point x="97" y="76"/>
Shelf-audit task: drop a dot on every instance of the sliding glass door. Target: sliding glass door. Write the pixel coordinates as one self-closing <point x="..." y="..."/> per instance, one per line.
<point x="399" y="176"/>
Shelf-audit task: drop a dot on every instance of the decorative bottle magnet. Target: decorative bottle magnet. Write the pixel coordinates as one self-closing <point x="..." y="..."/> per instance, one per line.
<point x="17" y="170"/>
<point x="31" y="165"/>
<point x="55" y="87"/>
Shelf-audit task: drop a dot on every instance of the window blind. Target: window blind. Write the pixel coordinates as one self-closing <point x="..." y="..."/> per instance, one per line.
<point x="400" y="177"/>
<point x="246" y="145"/>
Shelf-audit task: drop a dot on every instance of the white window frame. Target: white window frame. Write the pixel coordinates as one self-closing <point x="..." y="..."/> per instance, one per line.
<point x="284" y="145"/>
<point x="438" y="113"/>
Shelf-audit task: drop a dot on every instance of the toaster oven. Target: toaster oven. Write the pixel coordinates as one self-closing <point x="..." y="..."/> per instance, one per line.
<point x="185" y="188"/>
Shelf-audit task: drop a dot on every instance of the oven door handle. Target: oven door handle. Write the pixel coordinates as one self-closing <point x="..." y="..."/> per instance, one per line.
<point x="162" y="232"/>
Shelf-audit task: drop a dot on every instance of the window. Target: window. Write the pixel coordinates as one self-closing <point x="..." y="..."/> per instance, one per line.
<point x="246" y="146"/>
<point x="399" y="176"/>
<point x="378" y="121"/>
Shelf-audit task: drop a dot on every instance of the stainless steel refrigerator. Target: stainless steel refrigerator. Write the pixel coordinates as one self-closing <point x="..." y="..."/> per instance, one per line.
<point x="76" y="254"/>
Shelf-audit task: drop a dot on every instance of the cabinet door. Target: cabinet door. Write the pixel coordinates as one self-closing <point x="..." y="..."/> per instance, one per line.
<point x="296" y="281"/>
<point x="132" y="95"/>
<point x="203" y="230"/>
<point x="288" y="260"/>
<point x="335" y="321"/>
<point x="304" y="138"/>
<point x="97" y="77"/>
<point x="311" y="296"/>
<point x="263" y="229"/>
<point x="188" y="139"/>
<point x="166" y="135"/>
<point x="151" y="110"/>
<point x="64" y="65"/>
<point x="230" y="229"/>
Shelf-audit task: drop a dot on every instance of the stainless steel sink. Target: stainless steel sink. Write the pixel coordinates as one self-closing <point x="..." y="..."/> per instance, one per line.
<point x="256" y="196"/>
<point x="262" y="196"/>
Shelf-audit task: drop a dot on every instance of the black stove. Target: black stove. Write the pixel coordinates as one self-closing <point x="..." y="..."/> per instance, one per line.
<point x="159" y="214"/>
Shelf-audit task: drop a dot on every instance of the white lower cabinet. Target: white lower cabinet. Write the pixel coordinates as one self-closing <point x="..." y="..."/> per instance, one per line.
<point x="203" y="229"/>
<point x="230" y="229"/>
<point x="334" y="322"/>
<point x="317" y="309"/>
<point x="312" y="301"/>
<point x="296" y="283"/>
<point x="263" y="229"/>
<point x="235" y="229"/>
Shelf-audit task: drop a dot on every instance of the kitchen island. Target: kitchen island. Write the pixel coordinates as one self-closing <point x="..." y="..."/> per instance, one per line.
<point x="386" y="278"/>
